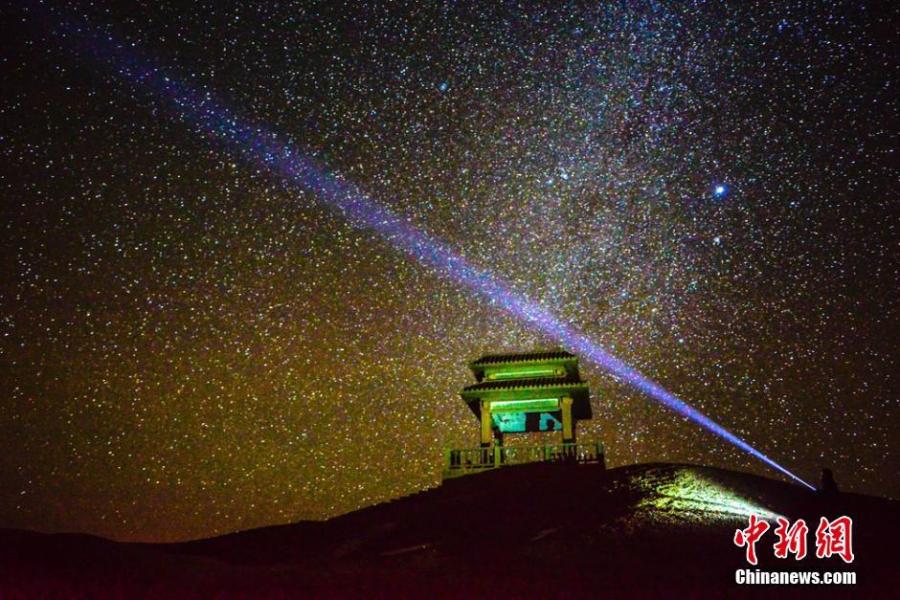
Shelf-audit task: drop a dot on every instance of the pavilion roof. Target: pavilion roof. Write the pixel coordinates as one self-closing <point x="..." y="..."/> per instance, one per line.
<point x="494" y="359"/>
<point x="524" y="384"/>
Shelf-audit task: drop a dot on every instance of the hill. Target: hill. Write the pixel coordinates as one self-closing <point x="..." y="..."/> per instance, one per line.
<point x="531" y="531"/>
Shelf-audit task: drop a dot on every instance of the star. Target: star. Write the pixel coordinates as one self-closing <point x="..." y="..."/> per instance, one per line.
<point x="193" y="345"/>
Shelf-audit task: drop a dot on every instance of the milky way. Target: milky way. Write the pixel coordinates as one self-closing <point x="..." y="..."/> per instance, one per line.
<point x="190" y="346"/>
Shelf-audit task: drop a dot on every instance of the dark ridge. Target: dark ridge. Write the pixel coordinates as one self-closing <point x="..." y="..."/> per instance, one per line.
<point x="533" y="531"/>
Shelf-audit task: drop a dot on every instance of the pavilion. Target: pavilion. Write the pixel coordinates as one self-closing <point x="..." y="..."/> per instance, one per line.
<point x="521" y="394"/>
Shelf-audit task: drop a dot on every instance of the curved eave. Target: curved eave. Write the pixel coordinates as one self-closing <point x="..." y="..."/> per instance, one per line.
<point x="512" y="359"/>
<point x="492" y="387"/>
<point x="577" y="390"/>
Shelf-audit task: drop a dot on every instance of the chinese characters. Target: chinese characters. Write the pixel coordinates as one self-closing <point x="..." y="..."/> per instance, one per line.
<point x="832" y="538"/>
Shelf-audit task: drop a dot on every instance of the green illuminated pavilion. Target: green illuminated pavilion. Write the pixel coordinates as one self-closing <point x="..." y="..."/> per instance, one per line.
<point x="524" y="393"/>
<point x="521" y="394"/>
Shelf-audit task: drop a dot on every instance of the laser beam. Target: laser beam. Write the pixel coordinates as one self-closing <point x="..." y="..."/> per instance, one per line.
<point x="263" y="148"/>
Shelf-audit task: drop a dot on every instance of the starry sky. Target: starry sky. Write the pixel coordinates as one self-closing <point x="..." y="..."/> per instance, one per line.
<point x="191" y="345"/>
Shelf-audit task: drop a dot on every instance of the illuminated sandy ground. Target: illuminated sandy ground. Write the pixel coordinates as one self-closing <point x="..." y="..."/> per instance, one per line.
<point x="688" y="496"/>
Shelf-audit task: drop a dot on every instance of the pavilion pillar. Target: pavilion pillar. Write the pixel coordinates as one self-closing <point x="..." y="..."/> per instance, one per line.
<point x="486" y="424"/>
<point x="568" y="426"/>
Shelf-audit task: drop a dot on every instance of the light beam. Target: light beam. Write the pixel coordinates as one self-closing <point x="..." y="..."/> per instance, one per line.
<point x="266" y="150"/>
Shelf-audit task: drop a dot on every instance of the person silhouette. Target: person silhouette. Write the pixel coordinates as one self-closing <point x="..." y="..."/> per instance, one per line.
<point x="829" y="486"/>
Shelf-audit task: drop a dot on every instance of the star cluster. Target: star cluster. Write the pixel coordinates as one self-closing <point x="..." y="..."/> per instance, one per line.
<point x="191" y="345"/>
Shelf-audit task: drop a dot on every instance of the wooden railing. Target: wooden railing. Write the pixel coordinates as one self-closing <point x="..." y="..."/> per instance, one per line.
<point x="461" y="461"/>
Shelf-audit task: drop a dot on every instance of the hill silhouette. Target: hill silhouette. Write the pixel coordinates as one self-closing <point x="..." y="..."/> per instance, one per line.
<point x="532" y="531"/>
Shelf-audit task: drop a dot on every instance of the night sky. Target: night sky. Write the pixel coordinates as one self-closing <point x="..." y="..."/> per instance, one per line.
<point x="191" y="345"/>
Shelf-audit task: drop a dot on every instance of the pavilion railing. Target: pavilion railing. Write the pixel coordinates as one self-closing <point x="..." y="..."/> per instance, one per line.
<point x="461" y="461"/>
